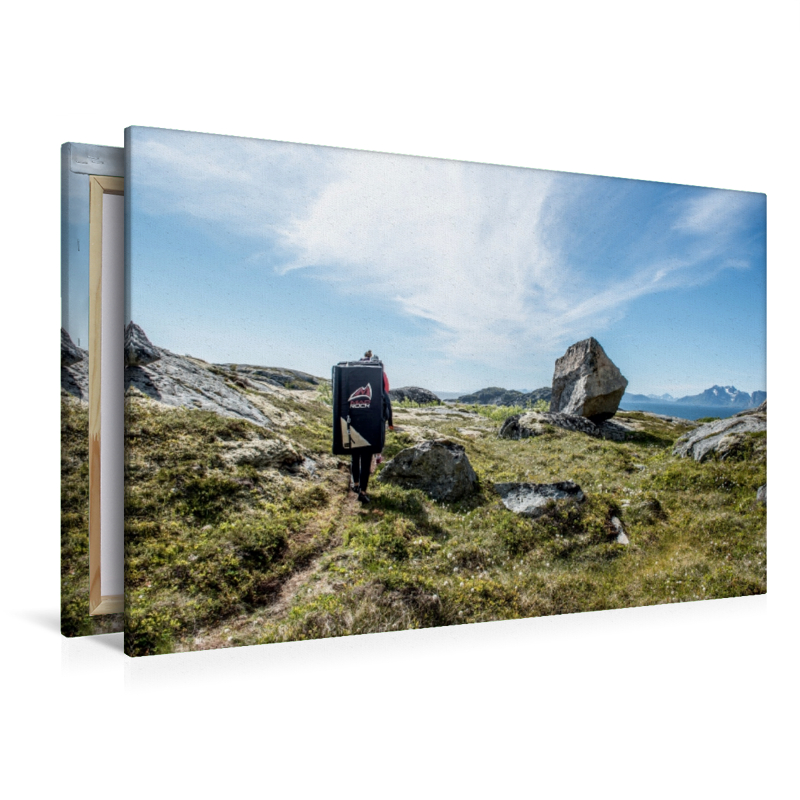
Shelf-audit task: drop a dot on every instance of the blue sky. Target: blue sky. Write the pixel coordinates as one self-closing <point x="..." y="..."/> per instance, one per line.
<point x="459" y="275"/>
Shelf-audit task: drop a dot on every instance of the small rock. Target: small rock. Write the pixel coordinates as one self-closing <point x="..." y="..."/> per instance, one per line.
<point x="622" y="537"/>
<point x="761" y="494"/>
<point x="533" y="499"/>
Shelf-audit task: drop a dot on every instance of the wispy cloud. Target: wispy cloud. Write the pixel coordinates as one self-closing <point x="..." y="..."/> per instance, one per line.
<point x="486" y="255"/>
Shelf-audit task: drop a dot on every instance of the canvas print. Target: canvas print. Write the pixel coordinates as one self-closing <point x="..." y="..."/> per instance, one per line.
<point x="368" y="392"/>
<point x="81" y="164"/>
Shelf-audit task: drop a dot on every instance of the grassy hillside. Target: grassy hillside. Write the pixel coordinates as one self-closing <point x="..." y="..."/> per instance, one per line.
<point x="220" y="553"/>
<point x="75" y="619"/>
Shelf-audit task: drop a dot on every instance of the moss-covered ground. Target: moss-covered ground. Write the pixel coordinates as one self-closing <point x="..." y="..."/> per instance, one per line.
<point x="75" y="619"/>
<point x="218" y="555"/>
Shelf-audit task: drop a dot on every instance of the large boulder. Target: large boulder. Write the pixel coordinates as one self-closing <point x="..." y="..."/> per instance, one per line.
<point x="533" y="499"/>
<point x="415" y="394"/>
<point x="586" y="382"/>
<point x="724" y="438"/>
<point x="439" y="468"/>
<point x="139" y="350"/>
<point x="533" y="423"/>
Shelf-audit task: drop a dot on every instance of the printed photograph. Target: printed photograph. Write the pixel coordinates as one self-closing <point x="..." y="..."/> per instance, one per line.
<point x="369" y="392"/>
<point x="80" y="165"/>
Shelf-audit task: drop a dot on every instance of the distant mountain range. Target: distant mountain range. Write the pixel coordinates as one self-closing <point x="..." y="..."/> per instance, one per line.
<point x="723" y="396"/>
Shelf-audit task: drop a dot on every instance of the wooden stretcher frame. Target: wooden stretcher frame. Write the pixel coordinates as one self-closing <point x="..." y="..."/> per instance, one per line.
<point x="98" y="186"/>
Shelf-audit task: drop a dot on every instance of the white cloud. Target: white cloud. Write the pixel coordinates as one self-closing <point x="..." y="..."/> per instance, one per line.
<point x="715" y="211"/>
<point x="462" y="245"/>
<point x="240" y="186"/>
<point x="480" y="251"/>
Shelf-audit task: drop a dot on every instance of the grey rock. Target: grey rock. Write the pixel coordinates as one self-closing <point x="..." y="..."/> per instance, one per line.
<point x="621" y="536"/>
<point x="534" y="499"/>
<point x="761" y="409"/>
<point x="74" y="368"/>
<point x="70" y="352"/>
<point x="534" y="423"/>
<point x="415" y="394"/>
<point x="250" y="376"/>
<point x="761" y="494"/>
<point x="615" y="431"/>
<point x="261" y="453"/>
<point x="439" y="468"/>
<point x="523" y="426"/>
<point x="587" y="383"/>
<point x="721" y="438"/>
<point x="139" y="351"/>
<point x="179" y="381"/>
<point x="75" y="380"/>
<point x="668" y="418"/>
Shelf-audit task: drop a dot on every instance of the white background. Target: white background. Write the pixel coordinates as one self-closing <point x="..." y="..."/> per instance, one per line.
<point x="687" y="701"/>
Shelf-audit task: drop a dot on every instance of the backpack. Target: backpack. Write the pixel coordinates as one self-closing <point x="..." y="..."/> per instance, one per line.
<point x="358" y="407"/>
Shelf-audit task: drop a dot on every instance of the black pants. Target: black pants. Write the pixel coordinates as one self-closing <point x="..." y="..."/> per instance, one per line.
<point x="360" y="467"/>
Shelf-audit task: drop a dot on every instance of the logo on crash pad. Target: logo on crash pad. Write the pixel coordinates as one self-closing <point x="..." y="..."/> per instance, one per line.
<point x="361" y="398"/>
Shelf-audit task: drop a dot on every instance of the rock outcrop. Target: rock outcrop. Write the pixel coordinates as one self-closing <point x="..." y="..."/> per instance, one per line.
<point x="139" y="350"/>
<point x="533" y="423"/>
<point x="587" y="383"/>
<point x="249" y="376"/>
<point x="415" y="394"/>
<point x="534" y="499"/>
<point x="179" y="381"/>
<point x="279" y="453"/>
<point x="723" y="438"/>
<point x="439" y="468"/>
<point x="74" y="368"/>
<point x="70" y="352"/>
<point x="761" y="409"/>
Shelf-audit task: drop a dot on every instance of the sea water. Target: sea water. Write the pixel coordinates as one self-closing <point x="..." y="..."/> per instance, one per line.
<point x="684" y="411"/>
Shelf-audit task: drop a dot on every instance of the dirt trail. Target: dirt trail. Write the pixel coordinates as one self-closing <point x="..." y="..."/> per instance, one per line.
<point x="240" y="630"/>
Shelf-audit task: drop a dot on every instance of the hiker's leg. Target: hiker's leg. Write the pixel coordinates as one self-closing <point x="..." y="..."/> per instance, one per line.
<point x="355" y="462"/>
<point x="366" y="463"/>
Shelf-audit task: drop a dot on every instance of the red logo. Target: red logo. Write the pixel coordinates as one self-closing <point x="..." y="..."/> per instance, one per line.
<point x="361" y="398"/>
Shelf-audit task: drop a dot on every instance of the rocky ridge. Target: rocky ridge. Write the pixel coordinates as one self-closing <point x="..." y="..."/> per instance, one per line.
<point x="74" y="369"/>
<point x="496" y="396"/>
<point x="414" y="394"/>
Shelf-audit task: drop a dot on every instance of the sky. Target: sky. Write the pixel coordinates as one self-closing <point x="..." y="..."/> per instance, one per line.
<point x="458" y="275"/>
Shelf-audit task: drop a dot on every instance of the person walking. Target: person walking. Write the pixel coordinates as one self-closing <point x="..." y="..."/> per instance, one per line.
<point x="361" y="464"/>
